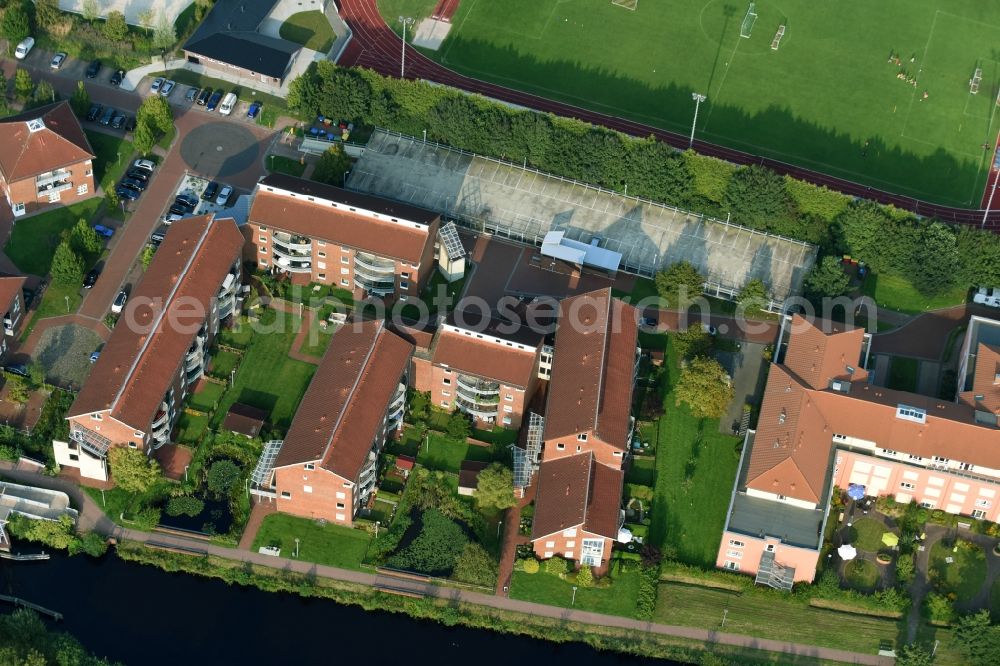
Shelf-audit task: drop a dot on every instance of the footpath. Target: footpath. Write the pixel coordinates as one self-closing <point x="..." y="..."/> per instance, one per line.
<point x="92" y="518"/>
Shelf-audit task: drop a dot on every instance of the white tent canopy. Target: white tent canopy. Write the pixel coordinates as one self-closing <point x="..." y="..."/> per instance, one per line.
<point x="556" y="245"/>
<point x="847" y="552"/>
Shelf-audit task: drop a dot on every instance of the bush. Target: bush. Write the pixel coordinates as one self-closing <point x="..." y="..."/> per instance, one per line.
<point x="185" y="505"/>
<point x="557" y="566"/>
<point x="475" y="566"/>
<point x="939" y="608"/>
<point x="222" y="475"/>
<point x="436" y="549"/>
<point x="585" y="576"/>
<point x="649" y="582"/>
<point x="90" y="543"/>
<point x="530" y="566"/>
<point x="905" y="568"/>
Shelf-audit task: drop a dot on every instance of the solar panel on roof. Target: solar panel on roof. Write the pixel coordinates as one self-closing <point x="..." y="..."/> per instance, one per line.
<point x="452" y="243"/>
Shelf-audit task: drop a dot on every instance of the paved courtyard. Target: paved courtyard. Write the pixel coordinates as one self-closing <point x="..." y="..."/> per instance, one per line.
<point x="64" y="352"/>
<point x="223" y="149"/>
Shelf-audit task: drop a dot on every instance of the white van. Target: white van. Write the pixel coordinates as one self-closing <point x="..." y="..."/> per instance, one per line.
<point x="24" y="47"/>
<point x="228" y="104"/>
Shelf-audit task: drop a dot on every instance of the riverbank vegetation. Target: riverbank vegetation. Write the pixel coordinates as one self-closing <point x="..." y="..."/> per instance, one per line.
<point x="26" y="641"/>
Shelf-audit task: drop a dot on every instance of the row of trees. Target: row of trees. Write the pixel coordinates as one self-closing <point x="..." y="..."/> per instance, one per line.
<point x="888" y="239"/>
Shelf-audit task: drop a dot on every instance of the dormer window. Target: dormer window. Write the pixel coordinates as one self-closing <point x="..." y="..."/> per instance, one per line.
<point x="781" y="416"/>
<point x="36" y="125"/>
<point x="908" y="413"/>
<point x="582" y="437"/>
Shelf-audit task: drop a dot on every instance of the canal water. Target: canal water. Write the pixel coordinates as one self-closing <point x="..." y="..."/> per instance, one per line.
<point x="140" y="615"/>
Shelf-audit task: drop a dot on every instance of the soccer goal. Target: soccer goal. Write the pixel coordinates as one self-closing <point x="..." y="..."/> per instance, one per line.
<point x="748" y="21"/>
<point x="627" y="4"/>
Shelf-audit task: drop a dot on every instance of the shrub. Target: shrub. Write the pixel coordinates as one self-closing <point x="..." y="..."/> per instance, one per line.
<point x="222" y="475"/>
<point x="904" y="568"/>
<point x="939" y="608"/>
<point x="436" y="549"/>
<point x="556" y="566"/>
<point x="475" y="566"/>
<point x="585" y="576"/>
<point x="90" y="543"/>
<point x="530" y="566"/>
<point x="649" y="582"/>
<point x="185" y="505"/>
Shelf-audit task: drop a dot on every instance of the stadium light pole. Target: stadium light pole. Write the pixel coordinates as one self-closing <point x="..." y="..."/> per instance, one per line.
<point x="405" y="20"/>
<point x="989" y="203"/>
<point x="698" y="99"/>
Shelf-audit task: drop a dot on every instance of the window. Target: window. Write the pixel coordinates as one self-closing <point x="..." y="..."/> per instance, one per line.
<point x="548" y="554"/>
<point x="285" y="494"/>
<point x="310" y="466"/>
<point x="927" y="505"/>
<point x="321" y="264"/>
<point x="405" y="276"/>
<point x="344" y="283"/>
<point x="340" y="505"/>
<point x="582" y="437"/>
<point x="345" y="271"/>
<point x="839" y="438"/>
<point x="732" y="566"/>
<point x="560" y="447"/>
<point x="940" y="459"/>
<point x="262" y="262"/>
<point x="550" y="544"/>
<point x="55" y="196"/>
<point x="913" y="456"/>
<point x="571" y="544"/>
<point x="506" y="420"/>
<point x="307" y="489"/>
<point x="446" y="381"/>
<point x="447" y="394"/>
<point x="321" y="276"/>
<point x="340" y="517"/>
<point x="568" y="554"/>
<point x="592" y="553"/>
<point x="263" y="250"/>
<point x="445" y="403"/>
<point x="321" y="255"/>
<point x="344" y="260"/>
<point x="977" y="513"/>
<point x="404" y="284"/>
<point x="508" y="398"/>
<point x="74" y="456"/>
<point x="770" y="548"/>
<point x="735" y="554"/>
<point x="965" y="466"/>
<point x="571" y="532"/>
<point x="82" y="189"/>
<point x="96" y="417"/>
<point x="263" y="239"/>
<point x="90" y="172"/>
<point x="133" y="445"/>
<point x="906" y="485"/>
<point x="736" y="544"/>
<point x="341" y="495"/>
<point x="908" y="413"/>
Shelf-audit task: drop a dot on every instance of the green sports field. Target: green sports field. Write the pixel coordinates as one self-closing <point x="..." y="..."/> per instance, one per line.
<point x="827" y="98"/>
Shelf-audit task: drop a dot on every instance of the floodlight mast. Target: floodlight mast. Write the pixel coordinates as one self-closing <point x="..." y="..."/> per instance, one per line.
<point x="698" y="99"/>
<point x="405" y="20"/>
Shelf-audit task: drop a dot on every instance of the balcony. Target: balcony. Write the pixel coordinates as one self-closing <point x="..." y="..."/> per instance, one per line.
<point x="289" y="266"/>
<point x="52" y="188"/>
<point x="377" y="287"/>
<point x="479" y="411"/>
<point x="90" y="441"/>
<point x="162" y="416"/>
<point x="290" y="251"/>
<point x="478" y="386"/>
<point x="374" y="265"/>
<point x="45" y="179"/>
<point x="293" y="240"/>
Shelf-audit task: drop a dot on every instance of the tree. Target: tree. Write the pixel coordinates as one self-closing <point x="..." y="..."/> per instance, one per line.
<point x="222" y="475"/>
<point x="23" y="85"/>
<point x="80" y="101"/>
<point x="143" y="138"/>
<point x="145" y="18"/>
<point x="185" y="505"/>
<point x="132" y="470"/>
<point x="978" y="639"/>
<point x="753" y="298"/>
<point x="679" y="284"/>
<point x="332" y="166"/>
<point x="585" y="576"/>
<point x="55" y="533"/>
<point x="147" y="256"/>
<point x="17" y="389"/>
<point x="704" y="386"/>
<point x="155" y="112"/>
<point x="827" y="279"/>
<point x="84" y="240"/>
<point x="67" y="265"/>
<point x="913" y="655"/>
<point x="165" y="34"/>
<point x="47" y="13"/>
<point x="475" y="566"/>
<point x="90" y="10"/>
<point x="904" y="568"/>
<point x="758" y="198"/>
<point x="45" y="93"/>
<point x="935" y="261"/>
<point x="695" y="341"/>
<point x="89" y="543"/>
<point x="459" y="428"/>
<point x="115" y="28"/>
<point x="495" y="488"/>
<point x="15" y="25"/>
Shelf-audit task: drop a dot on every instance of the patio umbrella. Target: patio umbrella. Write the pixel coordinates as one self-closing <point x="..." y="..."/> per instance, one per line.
<point x="856" y="491"/>
<point x="890" y="539"/>
<point x="847" y="552"/>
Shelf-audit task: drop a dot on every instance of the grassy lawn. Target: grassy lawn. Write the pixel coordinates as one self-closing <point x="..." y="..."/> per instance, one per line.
<point x="903" y="373"/>
<point x="333" y="545"/>
<point x="310" y="29"/>
<point x="695" y="470"/>
<point x="498" y="435"/>
<point x="285" y="165"/>
<point x="207" y="396"/>
<point x="190" y="429"/>
<point x="267" y="378"/>
<point x="239" y="338"/>
<point x="113" y="156"/>
<point x="964" y="575"/>
<point x="784" y="103"/>
<point x="861" y="575"/>
<point x="895" y="292"/>
<point x="771" y="615"/>
<point x="34" y="239"/>
<point x="317" y="341"/>
<point x="224" y="362"/>
<point x="642" y="471"/>
<point x="869" y="535"/>
<point x="545" y="588"/>
<point x="437" y="452"/>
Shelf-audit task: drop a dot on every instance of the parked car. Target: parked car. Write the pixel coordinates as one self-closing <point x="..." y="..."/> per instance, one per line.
<point x="178" y="210"/>
<point x="130" y="124"/>
<point x="191" y="95"/>
<point x="188" y="200"/>
<point x="118" y="121"/>
<point x="157" y="83"/>
<point x="158" y="235"/>
<point x="109" y="113"/>
<point x="58" y="60"/>
<point x="134" y="184"/>
<point x="224" y="194"/>
<point x="119" y="303"/>
<point x="94" y="356"/>
<point x="102" y="230"/>
<point x="254" y="110"/>
<point x="170" y="218"/>
<point x="95" y="112"/>
<point x="24" y="48"/>
<point x="127" y="193"/>
<point x="93" y="69"/>
<point x="987" y="296"/>
<point x="228" y="104"/>
<point x="167" y="88"/>
<point x="211" y="190"/>
<point x="203" y="97"/>
<point x="16" y="369"/>
<point x="91" y="278"/>
<point x="146" y="165"/>
<point x="117" y="77"/>
<point x="138" y="174"/>
<point x="213" y="101"/>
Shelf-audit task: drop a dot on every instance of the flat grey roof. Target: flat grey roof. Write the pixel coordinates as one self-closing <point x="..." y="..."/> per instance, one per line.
<point x="758" y="517"/>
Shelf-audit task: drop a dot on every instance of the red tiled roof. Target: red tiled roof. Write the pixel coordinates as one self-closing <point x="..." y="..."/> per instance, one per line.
<point x="60" y="143"/>
<point x="817" y="356"/>
<point x="342" y="411"/>
<point x="592" y="370"/>
<point x="10" y="287"/>
<point x="245" y="420"/>
<point x="468" y="473"/>
<point x="577" y="491"/>
<point x="985" y="380"/>
<point x="142" y="357"/>
<point x="484" y="359"/>
<point x="337" y="225"/>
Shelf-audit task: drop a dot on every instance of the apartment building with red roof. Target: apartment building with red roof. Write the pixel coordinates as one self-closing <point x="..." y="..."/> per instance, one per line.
<point x="328" y="235"/>
<point x="45" y="159"/>
<point x="824" y="425"/>
<point x="587" y="432"/>
<point x="487" y="368"/>
<point x="327" y="465"/>
<point x="136" y="389"/>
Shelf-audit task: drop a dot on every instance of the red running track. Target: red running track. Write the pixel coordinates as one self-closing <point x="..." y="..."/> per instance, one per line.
<point x="377" y="47"/>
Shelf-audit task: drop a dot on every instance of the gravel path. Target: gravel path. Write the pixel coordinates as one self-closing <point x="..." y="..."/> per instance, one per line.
<point x="64" y="352"/>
